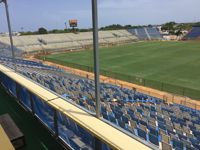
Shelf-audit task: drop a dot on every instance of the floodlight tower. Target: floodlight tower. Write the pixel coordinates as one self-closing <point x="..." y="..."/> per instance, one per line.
<point x="10" y="31"/>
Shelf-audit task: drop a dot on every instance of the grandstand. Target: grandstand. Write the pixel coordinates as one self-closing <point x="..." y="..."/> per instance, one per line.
<point x="67" y="41"/>
<point x="30" y="44"/>
<point x="5" y="50"/>
<point x="148" y="119"/>
<point x="193" y="34"/>
<point x="146" y="33"/>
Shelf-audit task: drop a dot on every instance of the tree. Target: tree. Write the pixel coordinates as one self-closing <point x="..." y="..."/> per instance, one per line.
<point x="127" y="26"/>
<point x="178" y="33"/>
<point x="42" y="31"/>
<point x="168" y="26"/>
<point x="112" y="27"/>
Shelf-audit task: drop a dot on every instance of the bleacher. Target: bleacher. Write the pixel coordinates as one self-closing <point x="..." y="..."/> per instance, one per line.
<point x="5" y="50"/>
<point x="193" y="34"/>
<point x="146" y="33"/>
<point x="67" y="41"/>
<point x="142" y="116"/>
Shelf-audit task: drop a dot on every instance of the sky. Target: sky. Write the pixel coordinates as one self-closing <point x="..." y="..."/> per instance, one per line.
<point x="29" y="15"/>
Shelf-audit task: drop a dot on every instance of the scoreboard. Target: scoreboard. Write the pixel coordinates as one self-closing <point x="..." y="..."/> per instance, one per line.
<point x="73" y="23"/>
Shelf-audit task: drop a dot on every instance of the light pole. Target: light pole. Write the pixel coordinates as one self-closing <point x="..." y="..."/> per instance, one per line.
<point x="42" y="42"/>
<point x="10" y="31"/>
<point x="98" y="144"/>
<point x="96" y="56"/>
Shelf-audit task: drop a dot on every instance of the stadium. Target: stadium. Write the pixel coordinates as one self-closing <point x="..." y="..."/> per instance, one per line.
<point x="140" y="91"/>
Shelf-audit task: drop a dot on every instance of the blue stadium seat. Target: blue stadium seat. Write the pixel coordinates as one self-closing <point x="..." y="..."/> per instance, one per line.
<point x="153" y="131"/>
<point x="154" y="139"/>
<point x="193" y="34"/>
<point x="177" y="144"/>
<point x="112" y="119"/>
<point x="142" y="133"/>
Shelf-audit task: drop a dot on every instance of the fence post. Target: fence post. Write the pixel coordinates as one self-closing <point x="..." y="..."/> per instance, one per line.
<point x="98" y="144"/>
<point x="56" y="123"/>
<point x="144" y="82"/>
<point x="162" y="86"/>
<point x="88" y="69"/>
<point x="17" y="92"/>
<point x="32" y="103"/>
<point x="183" y="91"/>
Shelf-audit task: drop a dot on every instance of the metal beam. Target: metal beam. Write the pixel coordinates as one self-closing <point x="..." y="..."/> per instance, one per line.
<point x="96" y="55"/>
<point x="10" y="32"/>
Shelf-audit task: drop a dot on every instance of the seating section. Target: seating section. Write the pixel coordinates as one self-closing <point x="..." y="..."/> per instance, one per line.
<point x="67" y="41"/>
<point x="193" y="34"/>
<point x="5" y="50"/>
<point x="146" y="33"/>
<point x="144" y="117"/>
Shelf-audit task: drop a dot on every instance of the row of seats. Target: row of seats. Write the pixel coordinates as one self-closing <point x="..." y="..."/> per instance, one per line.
<point x="5" y="50"/>
<point x="148" y="118"/>
<point x="26" y="63"/>
<point x="146" y="33"/>
<point x="67" y="41"/>
<point x="193" y="34"/>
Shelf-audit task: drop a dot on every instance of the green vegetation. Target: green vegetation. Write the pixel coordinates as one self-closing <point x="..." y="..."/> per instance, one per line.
<point x="36" y="136"/>
<point x="55" y="31"/>
<point x="172" y="27"/>
<point x="42" y="31"/>
<point x="177" y="28"/>
<point x="119" y="27"/>
<point x="168" y="66"/>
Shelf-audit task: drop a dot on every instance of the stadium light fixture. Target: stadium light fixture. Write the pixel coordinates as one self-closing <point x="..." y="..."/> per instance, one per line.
<point x="96" y="55"/>
<point x="10" y="30"/>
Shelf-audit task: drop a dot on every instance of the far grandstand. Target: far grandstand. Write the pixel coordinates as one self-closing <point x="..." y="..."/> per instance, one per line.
<point x="146" y="33"/>
<point x="194" y="34"/>
<point x="68" y="41"/>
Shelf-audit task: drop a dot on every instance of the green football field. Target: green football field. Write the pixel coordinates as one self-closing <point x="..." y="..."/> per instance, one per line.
<point x="173" y="63"/>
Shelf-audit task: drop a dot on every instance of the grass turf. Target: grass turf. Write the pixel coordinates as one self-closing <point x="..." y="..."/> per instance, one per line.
<point x="175" y="63"/>
<point x="37" y="137"/>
